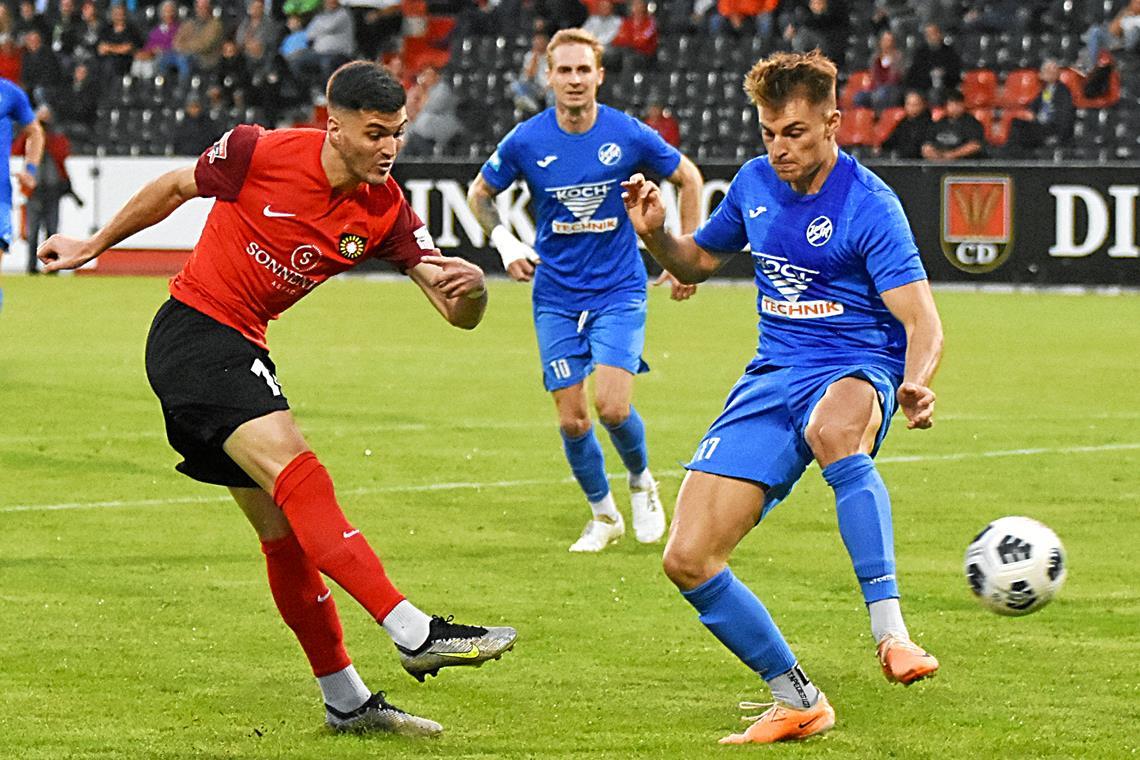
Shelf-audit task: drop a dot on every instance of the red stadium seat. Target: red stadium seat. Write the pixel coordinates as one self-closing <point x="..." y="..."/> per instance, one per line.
<point x="858" y="81"/>
<point x="979" y="87"/>
<point x="1075" y="81"/>
<point x="1021" y="87"/>
<point x="857" y="127"/>
<point x="986" y="117"/>
<point x="888" y="120"/>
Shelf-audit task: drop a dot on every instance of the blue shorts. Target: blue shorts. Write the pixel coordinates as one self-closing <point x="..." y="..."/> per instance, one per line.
<point x="570" y="343"/>
<point x="760" y="434"/>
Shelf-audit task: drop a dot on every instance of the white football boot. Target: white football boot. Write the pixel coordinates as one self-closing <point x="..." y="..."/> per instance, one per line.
<point x="648" y="514"/>
<point x="599" y="533"/>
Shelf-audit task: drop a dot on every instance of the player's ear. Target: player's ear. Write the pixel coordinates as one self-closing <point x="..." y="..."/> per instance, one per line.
<point x="831" y="123"/>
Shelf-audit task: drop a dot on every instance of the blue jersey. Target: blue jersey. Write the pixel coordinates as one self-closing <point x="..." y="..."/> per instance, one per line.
<point x="821" y="262"/>
<point x="584" y="237"/>
<point x="14" y="106"/>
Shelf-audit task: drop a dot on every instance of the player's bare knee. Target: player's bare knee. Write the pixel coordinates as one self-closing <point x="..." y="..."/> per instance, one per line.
<point x="613" y="414"/>
<point x="686" y="568"/>
<point x="829" y="440"/>
<point x="574" y="427"/>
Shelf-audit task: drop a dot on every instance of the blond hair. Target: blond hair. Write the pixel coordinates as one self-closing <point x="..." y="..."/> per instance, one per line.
<point x="574" y="37"/>
<point x="781" y="76"/>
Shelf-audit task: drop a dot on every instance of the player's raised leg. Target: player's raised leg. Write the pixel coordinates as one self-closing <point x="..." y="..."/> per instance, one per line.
<point x="273" y="452"/>
<point x="584" y="453"/>
<point x="842" y="432"/>
<point x="613" y="392"/>
<point x="307" y="607"/>
<point x="713" y="514"/>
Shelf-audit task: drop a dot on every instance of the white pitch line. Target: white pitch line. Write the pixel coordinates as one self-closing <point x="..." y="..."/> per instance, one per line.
<point x="476" y="485"/>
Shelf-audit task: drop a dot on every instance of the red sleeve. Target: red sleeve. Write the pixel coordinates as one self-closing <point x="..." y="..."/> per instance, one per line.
<point x="221" y="170"/>
<point x="407" y="241"/>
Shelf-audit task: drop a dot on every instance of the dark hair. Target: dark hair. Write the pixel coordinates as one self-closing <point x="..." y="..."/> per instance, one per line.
<point x="365" y="86"/>
<point x="783" y="76"/>
<point x="955" y="95"/>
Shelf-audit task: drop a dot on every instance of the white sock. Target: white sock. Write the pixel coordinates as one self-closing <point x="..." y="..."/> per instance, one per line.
<point x="606" y="507"/>
<point x="343" y="690"/>
<point x="793" y="688"/>
<point x="642" y="480"/>
<point x="407" y="626"/>
<point x="886" y="618"/>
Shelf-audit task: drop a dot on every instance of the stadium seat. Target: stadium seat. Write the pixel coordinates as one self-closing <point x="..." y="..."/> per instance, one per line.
<point x="1021" y="87"/>
<point x="979" y="87"/>
<point x="985" y="116"/>
<point x="886" y="123"/>
<point x="1075" y="81"/>
<point x="857" y="127"/>
<point x="858" y="81"/>
<point x="998" y="134"/>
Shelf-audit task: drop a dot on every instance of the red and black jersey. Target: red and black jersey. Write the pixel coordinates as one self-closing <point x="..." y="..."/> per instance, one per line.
<point x="278" y="229"/>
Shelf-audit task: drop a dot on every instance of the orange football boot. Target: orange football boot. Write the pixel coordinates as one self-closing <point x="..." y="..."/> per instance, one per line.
<point x="781" y="722"/>
<point x="904" y="661"/>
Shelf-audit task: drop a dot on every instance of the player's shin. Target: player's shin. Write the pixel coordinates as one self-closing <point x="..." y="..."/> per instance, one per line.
<point x="587" y="462"/>
<point x="628" y="438"/>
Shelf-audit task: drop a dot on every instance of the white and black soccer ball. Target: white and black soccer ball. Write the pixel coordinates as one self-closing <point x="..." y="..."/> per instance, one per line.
<point x="1015" y="565"/>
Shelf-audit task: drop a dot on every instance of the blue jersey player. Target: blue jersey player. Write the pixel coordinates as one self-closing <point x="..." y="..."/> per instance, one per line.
<point x="15" y="108"/>
<point x="848" y="332"/>
<point x="589" y="280"/>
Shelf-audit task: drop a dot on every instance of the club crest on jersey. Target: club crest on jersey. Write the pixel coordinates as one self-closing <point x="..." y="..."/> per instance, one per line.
<point x="582" y="201"/>
<point x="609" y="154"/>
<point x="977" y="222"/>
<point x="819" y="231"/>
<point x="351" y="245"/>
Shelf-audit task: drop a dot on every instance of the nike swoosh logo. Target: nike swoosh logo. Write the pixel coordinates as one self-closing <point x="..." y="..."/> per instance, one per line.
<point x="350" y="533"/>
<point x="547" y="161"/>
<point x="469" y="655"/>
<point x="752" y="214"/>
<point x="324" y="597"/>
<point x="805" y="724"/>
<point x="270" y="213"/>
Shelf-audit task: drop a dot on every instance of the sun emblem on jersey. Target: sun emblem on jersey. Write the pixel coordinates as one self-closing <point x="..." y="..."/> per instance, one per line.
<point x="351" y="246"/>
<point x="819" y="231"/>
<point x="609" y="154"/>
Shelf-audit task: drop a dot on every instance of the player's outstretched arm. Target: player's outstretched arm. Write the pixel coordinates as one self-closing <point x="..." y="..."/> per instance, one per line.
<point x="690" y="183"/>
<point x="680" y="255"/>
<point x="519" y="259"/>
<point x="455" y="287"/>
<point x="913" y="305"/>
<point x="150" y="205"/>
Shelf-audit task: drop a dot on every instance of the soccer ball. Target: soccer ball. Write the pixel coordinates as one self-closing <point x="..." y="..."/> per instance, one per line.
<point x="1015" y="566"/>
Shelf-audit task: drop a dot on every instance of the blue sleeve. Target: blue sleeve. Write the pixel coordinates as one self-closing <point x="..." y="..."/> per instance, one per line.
<point x="22" y="110"/>
<point x="884" y="237"/>
<point x="724" y="230"/>
<point x="660" y="157"/>
<point x="502" y="168"/>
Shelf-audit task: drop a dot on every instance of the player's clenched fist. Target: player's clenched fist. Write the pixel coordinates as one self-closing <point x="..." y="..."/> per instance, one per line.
<point x="62" y="252"/>
<point x="457" y="277"/>
<point x="643" y="204"/>
<point x="917" y="402"/>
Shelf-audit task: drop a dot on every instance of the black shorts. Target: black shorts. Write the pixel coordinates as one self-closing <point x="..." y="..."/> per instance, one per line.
<point x="209" y="379"/>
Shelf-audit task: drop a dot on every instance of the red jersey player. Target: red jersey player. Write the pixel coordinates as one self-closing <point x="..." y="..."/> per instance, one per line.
<point x="294" y="207"/>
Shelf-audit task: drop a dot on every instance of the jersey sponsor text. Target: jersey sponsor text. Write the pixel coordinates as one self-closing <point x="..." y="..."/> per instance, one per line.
<point x="800" y="309"/>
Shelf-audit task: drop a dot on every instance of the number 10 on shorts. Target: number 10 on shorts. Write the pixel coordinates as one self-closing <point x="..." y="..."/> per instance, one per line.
<point x="560" y="368"/>
<point x="706" y="449"/>
<point x="258" y="368"/>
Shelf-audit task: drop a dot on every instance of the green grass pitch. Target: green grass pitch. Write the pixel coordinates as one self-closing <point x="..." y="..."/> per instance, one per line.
<point x="135" y="621"/>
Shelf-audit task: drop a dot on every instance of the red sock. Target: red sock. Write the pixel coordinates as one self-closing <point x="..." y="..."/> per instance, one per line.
<point x="305" y="604"/>
<point x="304" y="491"/>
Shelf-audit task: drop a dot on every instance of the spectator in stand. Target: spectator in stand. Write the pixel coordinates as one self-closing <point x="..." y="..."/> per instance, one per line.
<point x="257" y="26"/>
<point x="232" y="74"/>
<point x="379" y="25"/>
<point x="560" y="14"/>
<point x="273" y="88"/>
<point x="331" y="36"/>
<point x="822" y="24"/>
<point x="295" y="39"/>
<point x="530" y="90"/>
<point x="40" y="70"/>
<point x="910" y="134"/>
<point x="956" y="135"/>
<point x="743" y="18"/>
<point x="159" y="47"/>
<point x="887" y="67"/>
<point x="431" y="113"/>
<point x="89" y="32"/>
<point x="663" y="123"/>
<point x="604" y="24"/>
<point x="52" y="183"/>
<point x="78" y="101"/>
<point x="66" y="32"/>
<point x="1053" y="116"/>
<point x="636" y="40"/>
<point x="476" y="18"/>
<point x="936" y="67"/>
<point x="995" y="16"/>
<point x="198" y="43"/>
<point x="196" y="132"/>
<point x="29" y="20"/>
<point x="1121" y="34"/>
<point x="11" y="59"/>
<point x="118" y="43"/>
<point x="7" y="23"/>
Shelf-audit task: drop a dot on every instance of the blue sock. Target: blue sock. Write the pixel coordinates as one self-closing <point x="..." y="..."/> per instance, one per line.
<point x="732" y="612"/>
<point x="629" y="440"/>
<point x="864" y="510"/>
<point x="587" y="463"/>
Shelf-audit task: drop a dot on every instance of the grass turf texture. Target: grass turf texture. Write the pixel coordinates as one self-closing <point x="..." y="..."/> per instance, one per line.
<point x="136" y="621"/>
